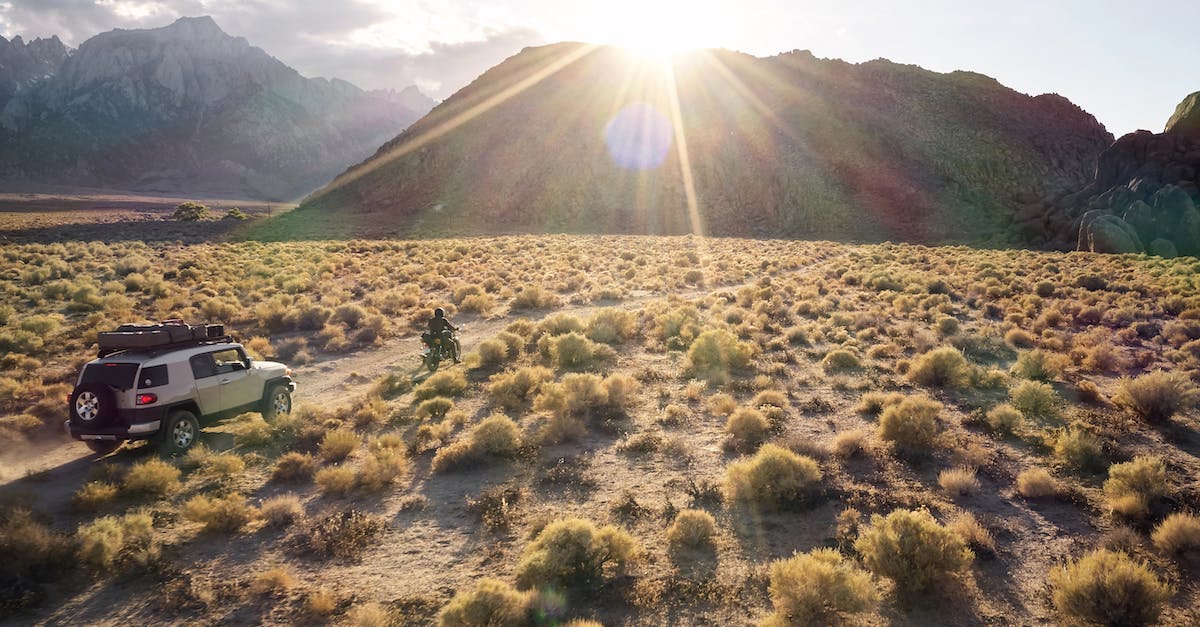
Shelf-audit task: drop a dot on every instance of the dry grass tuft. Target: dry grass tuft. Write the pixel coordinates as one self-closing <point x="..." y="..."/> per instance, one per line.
<point x="1108" y="588"/>
<point x="338" y="444"/>
<point x="912" y="549"/>
<point x="282" y="510"/>
<point x="959" y="481"/>
<point x="273" y="581"/>
<point x="911" y="424"/>
<point x="1156" y="396"/>
<point x="692" y="529"/>
<point x="153" y="477"/>
<point x="815" y="587"/>
<point x="491" y="602"/>
<point x="1177" y="533"/>
<point x="294" y="466"/>
<point x="1037" y="483"/>
<point x="219" y="514"/>
<point x="772" y="478"/>
<point x="574" y="552"/>
<point x="1134" y="486"/>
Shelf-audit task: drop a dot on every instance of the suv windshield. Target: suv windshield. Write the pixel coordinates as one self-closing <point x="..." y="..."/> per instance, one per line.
<point x="118" y="375"/>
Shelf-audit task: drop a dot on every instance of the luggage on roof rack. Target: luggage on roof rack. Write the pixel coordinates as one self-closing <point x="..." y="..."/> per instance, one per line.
<point x="161" y="335"/>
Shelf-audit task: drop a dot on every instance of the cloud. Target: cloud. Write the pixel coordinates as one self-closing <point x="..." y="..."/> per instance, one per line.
<point x="317" y="37"/>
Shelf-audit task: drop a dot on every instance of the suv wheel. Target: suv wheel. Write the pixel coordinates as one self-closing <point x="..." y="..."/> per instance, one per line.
<point x="102" y="447"/>
<point x="92" y="404"/>
<point x="179" y="432"/>
<point x="278" y="402"/>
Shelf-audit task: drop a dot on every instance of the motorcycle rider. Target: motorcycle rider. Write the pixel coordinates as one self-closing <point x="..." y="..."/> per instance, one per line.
<point x="440" y="326"/>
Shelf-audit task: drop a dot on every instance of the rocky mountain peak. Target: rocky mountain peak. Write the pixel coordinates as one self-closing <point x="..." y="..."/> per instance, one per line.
<point x="1186" y="120"/>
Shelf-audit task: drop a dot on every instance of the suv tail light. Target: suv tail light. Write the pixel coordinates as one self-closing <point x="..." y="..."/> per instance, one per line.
<point x="146" y="399"/>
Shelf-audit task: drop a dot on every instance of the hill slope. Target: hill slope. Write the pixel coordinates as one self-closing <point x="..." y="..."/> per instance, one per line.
<point x="788" y="145"/>
<point x="188" y="108"/>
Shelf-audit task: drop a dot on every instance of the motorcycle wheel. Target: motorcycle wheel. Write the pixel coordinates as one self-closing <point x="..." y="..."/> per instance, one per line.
<point x="432" y="361"/>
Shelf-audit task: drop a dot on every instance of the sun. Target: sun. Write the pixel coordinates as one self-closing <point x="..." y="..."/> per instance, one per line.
<point x="658" y="29"/>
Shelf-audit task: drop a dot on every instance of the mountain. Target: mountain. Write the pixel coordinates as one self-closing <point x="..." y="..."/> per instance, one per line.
<point x="186" y="109"/>
<point x="24" y="65"/>
<point x="573" y="137"/>
<point x="1143" y="197"/>
<point x="410" y="97"/>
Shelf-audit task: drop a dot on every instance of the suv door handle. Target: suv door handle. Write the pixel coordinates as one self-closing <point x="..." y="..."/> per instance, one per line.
<point x="224" y="381"/>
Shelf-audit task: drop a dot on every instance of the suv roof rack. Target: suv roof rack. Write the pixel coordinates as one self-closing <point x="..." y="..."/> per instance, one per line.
<point x="164" y="348"/>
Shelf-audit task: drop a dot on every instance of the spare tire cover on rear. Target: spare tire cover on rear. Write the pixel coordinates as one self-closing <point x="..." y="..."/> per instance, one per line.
<point x="93" y="404"/>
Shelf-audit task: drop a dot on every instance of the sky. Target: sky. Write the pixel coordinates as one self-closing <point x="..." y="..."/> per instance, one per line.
<point x="1127" y="63"/>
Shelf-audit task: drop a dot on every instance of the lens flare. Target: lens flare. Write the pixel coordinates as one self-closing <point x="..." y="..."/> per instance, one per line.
<point x="638" y="137"/>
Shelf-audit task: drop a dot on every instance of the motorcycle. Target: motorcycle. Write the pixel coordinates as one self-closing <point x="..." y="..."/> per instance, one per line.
<point x="437" y="348"/>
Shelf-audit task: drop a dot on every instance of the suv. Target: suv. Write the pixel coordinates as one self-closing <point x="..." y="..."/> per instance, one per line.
<point x="162" y="393"/>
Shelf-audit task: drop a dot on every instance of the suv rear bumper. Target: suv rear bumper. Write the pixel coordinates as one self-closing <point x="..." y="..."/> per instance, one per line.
<point x="137" y="424"/>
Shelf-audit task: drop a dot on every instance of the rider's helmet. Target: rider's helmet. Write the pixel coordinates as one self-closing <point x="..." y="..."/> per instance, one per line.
<point x="439" y="313"/>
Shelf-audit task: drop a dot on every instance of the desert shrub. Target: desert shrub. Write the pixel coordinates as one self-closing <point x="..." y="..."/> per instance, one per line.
<point x="1108" y="588"/>
<point x="449" y="383"/>
<point x="94" y="495"/>
<point x="812" y="588"/>
<point x="491" y="353"/>
<point x="497" y="437"/>
<point x="281" y="510"/>
<point x="575" y="552"/>
<point x="972" y="532"/>
<point x="221" y="513"/>
<point x="382" y="468"/>
<point x="1133" y="486"/>
<point x="1020" y="338"/>
<point x="722" y="404"/>
<point x="941" y="367"/>
<point x="341" y="534"/>
<point x="1034" y="398"/>
<point x="319" y="603"/>
<point x="747" y="428"/>
<point x="293" y="466"/>
<point x="190" y="212"/>
<point x="274" y="580"/>
<point x="840" y="360"/>
<point x="874" y="402"/>
<point x="911" y="424"/>
<point x="1155" y="396"/>
<point x="1080" y="449"/>
<point x="223" y="466"/>
<point x="1039" y="365"/>
<point x="478" y="303"/>
<point x="153" y="477"/>
<point x="252" y="431"/>
<point x="911" y="548"/>
<point x="692" y="529"/>
<point x="338" y="444"/>
<point x="573" y="351"/>
<point x="32" y="553"/>
<point x="1004" y="418"/>
<point x="491" y="603"/>
<point x="368" y="615"/>
<point x="336" y="480"/>
<point x="611" y="326"/>
<point x="235" y="213"/>
<point x="1177" y="533"/>
<point x="716" y="353"/>
<point x="1036" y="483"/>
<point x="850" y="443"/>
<point x="104" y="540"/>
<point x="773" y="477"/>
<point x="958" y="481"/>
<point x="434" y="408"/>
<point x="513" y="389"/>
<point x="533" y="297"/>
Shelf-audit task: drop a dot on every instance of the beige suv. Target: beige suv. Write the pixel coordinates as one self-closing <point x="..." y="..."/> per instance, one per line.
<point x="164" y="393"/>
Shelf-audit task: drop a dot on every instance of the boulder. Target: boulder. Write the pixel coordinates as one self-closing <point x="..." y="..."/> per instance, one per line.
<point x="1186" y="120"/>
<point x="1162" y="248"/>
<point x="1172" y="202"/>
<point x="1101" y="232"/>
<point x="1141" y="217"/>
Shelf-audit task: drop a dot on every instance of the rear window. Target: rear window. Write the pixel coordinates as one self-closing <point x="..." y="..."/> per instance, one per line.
<point x="117" y="375"/>
<point x="152" y="377"/>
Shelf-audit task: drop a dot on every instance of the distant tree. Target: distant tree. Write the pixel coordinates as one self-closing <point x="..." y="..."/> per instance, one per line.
<point x="235" y="214"/>
<point x="190" y="212"/>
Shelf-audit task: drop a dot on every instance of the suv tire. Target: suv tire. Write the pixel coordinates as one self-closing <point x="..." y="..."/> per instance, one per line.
<point x="93" y="404"/>
<point x="102" y="447"/>
<point x="277" y="402"/>
<point x="179" y="432"/>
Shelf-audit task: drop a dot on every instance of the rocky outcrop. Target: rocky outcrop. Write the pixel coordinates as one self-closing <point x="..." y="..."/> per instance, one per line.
<point x="25" y="65"/>
<point x="783" y="146"/>
<point x="186" y="109"/>
<point x="1143" y="197"/>
<point x="1186" y="120"/>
